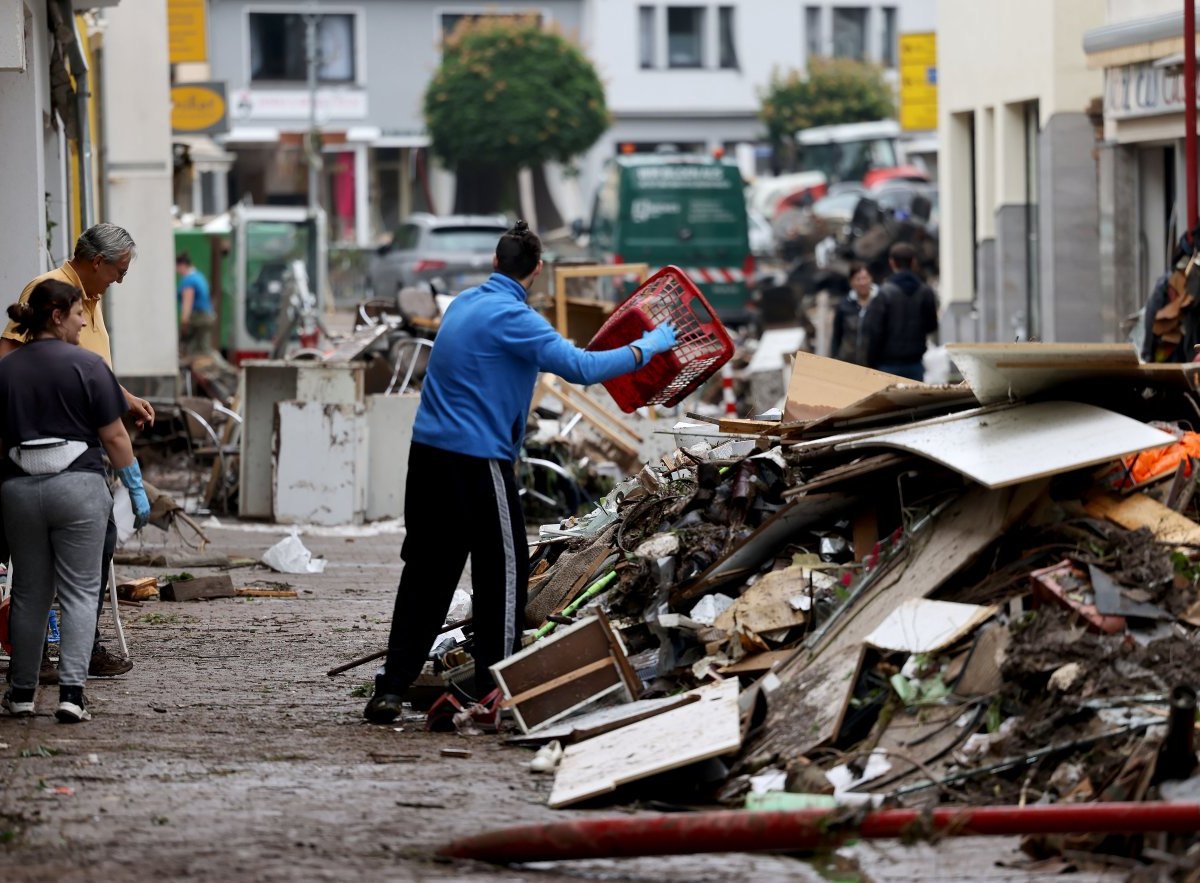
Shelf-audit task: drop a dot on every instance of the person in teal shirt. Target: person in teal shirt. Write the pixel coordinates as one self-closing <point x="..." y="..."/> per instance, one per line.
<point x="195" y="308"/>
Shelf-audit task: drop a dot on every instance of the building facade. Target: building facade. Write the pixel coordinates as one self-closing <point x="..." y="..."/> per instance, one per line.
<point x="85" y="135"/>
<point x="686" y="76"/>
<point x="1143" y="196"/>
<point x="1018" y="181"/>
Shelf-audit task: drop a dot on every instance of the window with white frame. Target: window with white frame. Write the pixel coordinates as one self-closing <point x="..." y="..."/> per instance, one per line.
<point x="850" y="32"/>
<point x="685" y="36"/>
<point x="727" y="37"/>
<point x="812" y="31"/>
<point x="278" y="47"/>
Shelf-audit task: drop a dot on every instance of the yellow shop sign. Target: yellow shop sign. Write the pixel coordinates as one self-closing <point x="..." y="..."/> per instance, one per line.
<point x="199" y="108"/>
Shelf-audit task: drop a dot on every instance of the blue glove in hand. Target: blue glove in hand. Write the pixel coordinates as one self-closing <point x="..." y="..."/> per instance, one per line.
<point x="657" y="341"/>
<point x="131" y="477"/>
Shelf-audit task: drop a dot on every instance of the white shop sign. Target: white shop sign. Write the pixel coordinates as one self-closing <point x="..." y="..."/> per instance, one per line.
<point x="293" y="104"/>
<point x="1143" y="89"/>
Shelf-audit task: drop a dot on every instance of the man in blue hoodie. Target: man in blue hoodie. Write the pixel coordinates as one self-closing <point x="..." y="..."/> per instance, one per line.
<point x="900" y="319"/>
<point x="461" y="497"/>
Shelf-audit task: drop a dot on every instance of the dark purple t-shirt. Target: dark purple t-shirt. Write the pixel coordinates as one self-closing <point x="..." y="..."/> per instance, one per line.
<point x="53" y="389"/>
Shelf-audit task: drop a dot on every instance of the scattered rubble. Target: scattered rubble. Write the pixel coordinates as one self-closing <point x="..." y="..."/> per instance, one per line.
<point x="899" y="595"/>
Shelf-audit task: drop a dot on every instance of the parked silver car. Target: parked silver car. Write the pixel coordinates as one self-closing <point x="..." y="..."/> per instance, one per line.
<point x="455" y="249"/>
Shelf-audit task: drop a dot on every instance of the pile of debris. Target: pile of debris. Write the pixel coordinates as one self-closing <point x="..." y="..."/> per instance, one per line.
<point x="895" y="594"/>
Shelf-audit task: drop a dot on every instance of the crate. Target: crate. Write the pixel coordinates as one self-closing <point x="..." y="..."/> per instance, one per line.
<point x="702" y="343"/>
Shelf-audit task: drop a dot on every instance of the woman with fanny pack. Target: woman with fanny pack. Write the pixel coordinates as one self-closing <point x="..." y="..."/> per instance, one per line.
<point x="60" y="410"/>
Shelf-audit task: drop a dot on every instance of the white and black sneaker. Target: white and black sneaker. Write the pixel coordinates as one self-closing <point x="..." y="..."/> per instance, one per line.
<point x="18" y="702"/>
<point x="71" y="707"/>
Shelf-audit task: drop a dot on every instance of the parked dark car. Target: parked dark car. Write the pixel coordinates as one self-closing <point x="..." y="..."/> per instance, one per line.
<point x="455" y="249"/>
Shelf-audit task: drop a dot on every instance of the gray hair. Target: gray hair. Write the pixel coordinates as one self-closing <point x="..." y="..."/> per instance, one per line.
<point x="107" y="241"/>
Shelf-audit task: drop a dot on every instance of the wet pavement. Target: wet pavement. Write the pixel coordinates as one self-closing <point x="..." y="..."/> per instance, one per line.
<point x="228" y="753"/>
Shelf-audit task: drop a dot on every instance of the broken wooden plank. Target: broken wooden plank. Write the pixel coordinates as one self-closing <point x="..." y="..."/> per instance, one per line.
<point x="1138" y="510"/>
<point x="1023" y="443"/>
<point x="746" y="426"/>
<point x="708" y="727"/>
<point x="266" y="593"/>
<point x="981" y="675"/>
<point x="199" y="588"/>
<point x="759" y="663"/>
<point x="806" y="709"/>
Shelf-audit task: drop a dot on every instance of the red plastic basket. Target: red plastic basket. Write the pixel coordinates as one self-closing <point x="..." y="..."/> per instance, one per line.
<point x="702" y="344"/>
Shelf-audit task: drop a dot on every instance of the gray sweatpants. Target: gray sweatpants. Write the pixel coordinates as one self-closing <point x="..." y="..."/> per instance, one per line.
<point x="55" y="526"/>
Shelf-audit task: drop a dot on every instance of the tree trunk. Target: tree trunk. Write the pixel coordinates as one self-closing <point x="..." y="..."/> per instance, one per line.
<point x="485" y="189"/>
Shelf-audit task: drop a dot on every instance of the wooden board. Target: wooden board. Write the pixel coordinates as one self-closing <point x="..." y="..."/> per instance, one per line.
<point x="806" y="710"/>
<point x="746" y="426"/>
<point x="708" y="727"/>
<point x="199" y="589"/>
<point x="586" y="725"/>
<point x="1022" y="443"/>
<point x="759" y="663"/>
<point x="1001" y="372"/>
<point x="981" y="675"/>
<point x="1139" y="510"/>
<point x="820" y="386"/>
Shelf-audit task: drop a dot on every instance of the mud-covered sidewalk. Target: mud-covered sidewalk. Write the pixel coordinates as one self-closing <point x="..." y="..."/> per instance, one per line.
<point x="228" y="753"/>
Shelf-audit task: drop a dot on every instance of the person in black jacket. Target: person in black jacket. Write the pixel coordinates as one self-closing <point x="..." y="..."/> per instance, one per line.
<point x="901" y="318"/>
<point x="847" y="340"/>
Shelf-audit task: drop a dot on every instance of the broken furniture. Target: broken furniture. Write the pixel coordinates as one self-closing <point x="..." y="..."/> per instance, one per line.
<point x="571" y="669"/>
<point x="306" y="452"/>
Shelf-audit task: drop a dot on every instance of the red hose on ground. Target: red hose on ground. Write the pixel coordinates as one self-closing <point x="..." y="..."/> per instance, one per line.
<point x="740" y="831"/>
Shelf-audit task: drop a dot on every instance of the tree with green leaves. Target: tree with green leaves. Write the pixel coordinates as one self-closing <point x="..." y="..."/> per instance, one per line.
<point x="510" y="94"/>
<point x="835" y="90"/>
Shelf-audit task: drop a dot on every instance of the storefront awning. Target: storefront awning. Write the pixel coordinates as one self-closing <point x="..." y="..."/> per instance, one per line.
<point x="1140" y="39"/>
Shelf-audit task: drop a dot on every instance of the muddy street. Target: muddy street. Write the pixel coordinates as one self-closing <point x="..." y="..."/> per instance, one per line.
<point x="228" y="753"/>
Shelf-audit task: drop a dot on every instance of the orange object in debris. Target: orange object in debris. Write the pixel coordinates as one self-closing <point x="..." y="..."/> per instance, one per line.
<point x="1146" y="465"/>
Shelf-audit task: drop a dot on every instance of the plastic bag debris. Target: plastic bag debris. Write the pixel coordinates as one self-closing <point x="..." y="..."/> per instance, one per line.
<point x="290" y="556"/>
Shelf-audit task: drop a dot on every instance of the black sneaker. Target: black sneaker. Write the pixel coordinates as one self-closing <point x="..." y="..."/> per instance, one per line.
<point x="383" y="708"/>
<point x="107" y="665"/>
<point x="18" y="702"/>
<point x="71" y="707"/>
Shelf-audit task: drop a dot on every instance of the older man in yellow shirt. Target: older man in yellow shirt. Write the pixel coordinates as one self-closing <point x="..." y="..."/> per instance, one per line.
<point x="102" y="257"/>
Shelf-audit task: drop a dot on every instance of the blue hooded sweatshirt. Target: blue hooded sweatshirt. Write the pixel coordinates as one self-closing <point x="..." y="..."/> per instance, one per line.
<point x="489" y="349"/>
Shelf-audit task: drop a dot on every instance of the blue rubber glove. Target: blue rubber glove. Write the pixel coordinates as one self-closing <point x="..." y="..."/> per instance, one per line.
<point x="131" y="477"/>
<point x="654" y="342"/>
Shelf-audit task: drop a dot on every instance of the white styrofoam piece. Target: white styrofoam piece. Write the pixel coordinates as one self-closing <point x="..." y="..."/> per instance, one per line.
<point x="773" y="348"/>
<point x="1022" y="443"/>
<point x="920" y="625"/>
<point x="320" y="463"/>
<point x="709" y="727"/>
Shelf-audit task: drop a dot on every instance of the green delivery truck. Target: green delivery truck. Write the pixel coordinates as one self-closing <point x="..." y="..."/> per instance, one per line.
<point x="689" y="211"/>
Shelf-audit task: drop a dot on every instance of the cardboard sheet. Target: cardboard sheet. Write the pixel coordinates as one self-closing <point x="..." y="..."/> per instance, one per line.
<point x="919" y="625"/>
<point x="820" y="386"/>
